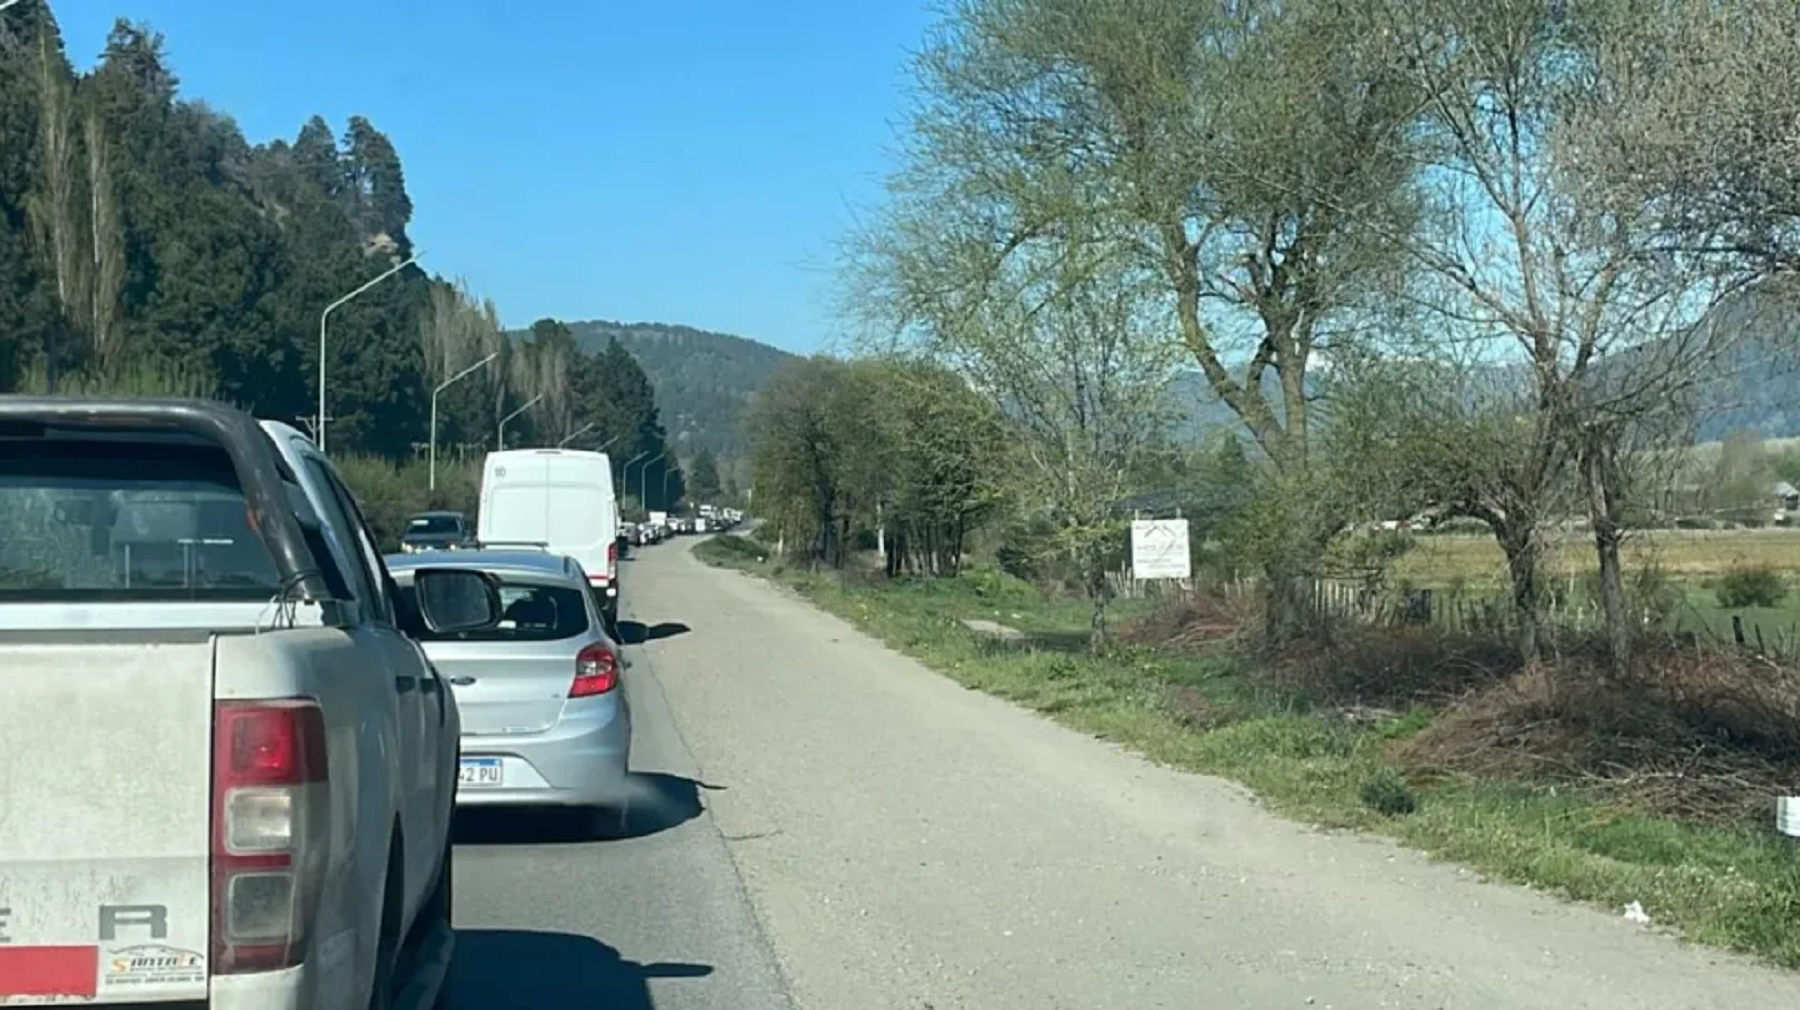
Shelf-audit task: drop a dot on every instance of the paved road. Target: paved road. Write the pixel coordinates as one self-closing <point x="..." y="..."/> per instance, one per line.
<point x="897" y="841"/>
<point x="549" y="918"/>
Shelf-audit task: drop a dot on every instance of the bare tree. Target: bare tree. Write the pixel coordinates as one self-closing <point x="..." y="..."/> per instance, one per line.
<point x="1541" y="268"/>
<point x="455" y="331"/>
<point x="1699" y="129"/>
<point x="494" y="340"/>
<point x="53" y="209"/>
<point x="107" y="230"/>
<point x="541" y="369"/>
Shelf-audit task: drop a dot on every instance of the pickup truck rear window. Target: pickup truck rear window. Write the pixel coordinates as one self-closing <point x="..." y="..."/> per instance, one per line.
<point x="531" y="612"/>
<point x="89" y="520"/>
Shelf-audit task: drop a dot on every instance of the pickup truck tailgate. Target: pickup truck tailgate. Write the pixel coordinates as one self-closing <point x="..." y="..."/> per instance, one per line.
<point x="105" y="811"/>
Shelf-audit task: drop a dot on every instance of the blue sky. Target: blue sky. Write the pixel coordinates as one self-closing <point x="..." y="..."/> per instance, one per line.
<point x="687" y="162"/>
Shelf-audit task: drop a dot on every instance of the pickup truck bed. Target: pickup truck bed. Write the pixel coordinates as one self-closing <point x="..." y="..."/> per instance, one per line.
<point x="228" y="770"/>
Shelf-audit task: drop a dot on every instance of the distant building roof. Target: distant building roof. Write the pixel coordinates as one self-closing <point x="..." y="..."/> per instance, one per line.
<point x="1786" y="490"/>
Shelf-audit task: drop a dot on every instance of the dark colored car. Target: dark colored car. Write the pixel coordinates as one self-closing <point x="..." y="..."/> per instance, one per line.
<point x="436" y="531"/>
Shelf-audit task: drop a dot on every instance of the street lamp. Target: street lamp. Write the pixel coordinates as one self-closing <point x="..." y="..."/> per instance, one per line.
<point x="625" y="477"/>
<point x="500" y="432"/>
<point x="577" y="433"/>
<point x="329" y="309"/>
<point x="446" y="384"/>
<point x="644" y="481"/>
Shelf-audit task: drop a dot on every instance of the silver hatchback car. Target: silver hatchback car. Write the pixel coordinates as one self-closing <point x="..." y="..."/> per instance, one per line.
<point x="546" y="721"/>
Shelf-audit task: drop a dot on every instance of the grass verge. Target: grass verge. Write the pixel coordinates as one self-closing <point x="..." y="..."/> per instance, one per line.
<point x="1475" y="559"/>
<point x="1736" y="887"/>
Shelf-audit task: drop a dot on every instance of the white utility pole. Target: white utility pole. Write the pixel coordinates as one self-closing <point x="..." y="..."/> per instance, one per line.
<point x="329" y="309"/>
<point x="446" y="384"/>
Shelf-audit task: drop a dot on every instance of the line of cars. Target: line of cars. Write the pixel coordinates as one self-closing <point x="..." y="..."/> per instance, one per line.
<point x="543" y="691"/>
<point x="660" y="525"/>
<point x="236" y="731"/>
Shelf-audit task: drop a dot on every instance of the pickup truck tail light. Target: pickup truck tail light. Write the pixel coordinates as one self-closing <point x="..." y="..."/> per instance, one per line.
<point x="269" y="795"/>
<point x="596" y="672"/>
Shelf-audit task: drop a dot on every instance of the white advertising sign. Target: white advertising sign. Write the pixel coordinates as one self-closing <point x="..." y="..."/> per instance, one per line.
<point x="1159" y="549"/>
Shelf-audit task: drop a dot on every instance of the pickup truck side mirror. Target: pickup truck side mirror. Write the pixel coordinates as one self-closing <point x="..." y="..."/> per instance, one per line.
<point x="453" y="600"/>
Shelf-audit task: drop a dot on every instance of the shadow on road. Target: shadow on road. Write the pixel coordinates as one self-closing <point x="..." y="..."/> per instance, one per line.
<point x="658" y="802"/>
<point x="513" y="969"/>
<point x="636" y="633"/>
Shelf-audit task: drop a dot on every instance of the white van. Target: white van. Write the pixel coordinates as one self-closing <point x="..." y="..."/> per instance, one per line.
<point x="561" y="498"/>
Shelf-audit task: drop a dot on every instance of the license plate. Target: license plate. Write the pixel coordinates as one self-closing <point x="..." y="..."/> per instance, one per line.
<point x="480" y="772"/>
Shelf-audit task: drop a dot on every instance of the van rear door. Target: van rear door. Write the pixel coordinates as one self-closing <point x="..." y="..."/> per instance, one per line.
<point x="583" y="516"/>
<point x="514" y="502"/>
<point x="105" y="807"/>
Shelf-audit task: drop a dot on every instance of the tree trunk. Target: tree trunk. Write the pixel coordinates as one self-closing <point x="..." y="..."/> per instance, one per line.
<point x="1098" y="591"/>
<point x="957" y="542"/>
<point x="1519" y="542"/>
<point x="1603" y="515"/>
<point x="1287" y="603"/>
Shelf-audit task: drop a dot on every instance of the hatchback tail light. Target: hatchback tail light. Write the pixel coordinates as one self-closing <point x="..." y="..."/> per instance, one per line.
<point x="596" y="672"/>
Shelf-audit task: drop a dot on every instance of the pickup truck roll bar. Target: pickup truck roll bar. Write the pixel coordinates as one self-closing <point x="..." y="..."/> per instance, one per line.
<point x="243" y="439"/>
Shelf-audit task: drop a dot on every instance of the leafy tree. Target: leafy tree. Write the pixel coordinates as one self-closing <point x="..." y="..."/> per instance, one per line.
<point x="1246" y="167"/>
<point x="704" y="476"/>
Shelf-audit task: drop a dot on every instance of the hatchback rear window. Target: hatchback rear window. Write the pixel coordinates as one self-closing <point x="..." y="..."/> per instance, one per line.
<point x="530" y="612"/>
<point x="126" y="520"/>
<point x="433" y="526"/>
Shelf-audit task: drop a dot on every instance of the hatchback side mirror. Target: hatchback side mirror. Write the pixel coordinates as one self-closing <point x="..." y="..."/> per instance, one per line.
<point x="456" y="600"/>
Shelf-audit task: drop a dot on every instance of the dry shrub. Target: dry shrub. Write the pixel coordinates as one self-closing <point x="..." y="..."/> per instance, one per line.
<point x="1706" y="735"/>
<point x="1188" y="621"/>
<point x="1394" y="667"/>
<point x="1193" y="709"/>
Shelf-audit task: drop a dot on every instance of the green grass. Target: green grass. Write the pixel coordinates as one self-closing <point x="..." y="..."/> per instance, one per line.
<point x="725" y="551"/>
<point x="1475" y="559"/>
<point x="1734" y="888"/>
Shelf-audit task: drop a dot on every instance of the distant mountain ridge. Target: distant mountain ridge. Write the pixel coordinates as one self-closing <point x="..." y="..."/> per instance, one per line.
<point x="703" y="379"/>
<point x="1760" y="393"/>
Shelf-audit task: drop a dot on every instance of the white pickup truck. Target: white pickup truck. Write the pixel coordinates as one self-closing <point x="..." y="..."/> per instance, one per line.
<point x="226" y="769"/>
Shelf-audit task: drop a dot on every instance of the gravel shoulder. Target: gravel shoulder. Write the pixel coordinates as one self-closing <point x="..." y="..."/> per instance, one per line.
<point x="907" y="842"/>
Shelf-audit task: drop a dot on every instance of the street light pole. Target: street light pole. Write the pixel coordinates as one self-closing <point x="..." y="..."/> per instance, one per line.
<point x="446" y="384"/>
<point x="644" y="481"/>
<point x="500" y="432"/>
<point x="577" y="433"/>
<point x="625" y="478"/>
<point x="334" y="306"/>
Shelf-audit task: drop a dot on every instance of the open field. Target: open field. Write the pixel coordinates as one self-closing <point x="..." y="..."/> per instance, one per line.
<point x="1204" y="710"/>
<point x="1446" y="559"/>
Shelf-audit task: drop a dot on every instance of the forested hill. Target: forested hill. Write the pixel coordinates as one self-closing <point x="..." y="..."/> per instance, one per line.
<point x="148" y="247"/>
<point x="703" y="380"/>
